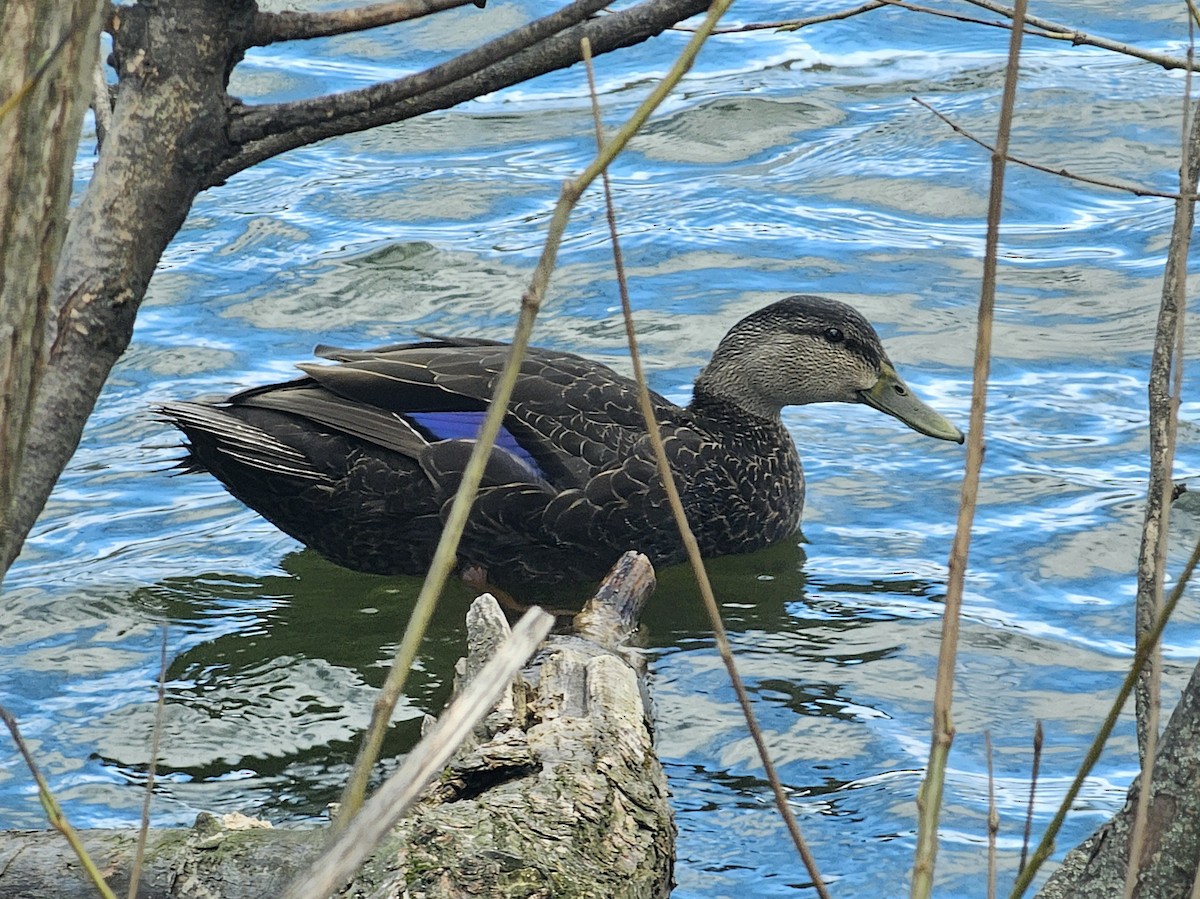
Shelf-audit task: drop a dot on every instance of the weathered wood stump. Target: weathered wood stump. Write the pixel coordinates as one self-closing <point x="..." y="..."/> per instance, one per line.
<point x="558" y="794"/>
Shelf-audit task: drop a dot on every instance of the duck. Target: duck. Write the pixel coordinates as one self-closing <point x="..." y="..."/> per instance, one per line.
<point x="359" y="459"/>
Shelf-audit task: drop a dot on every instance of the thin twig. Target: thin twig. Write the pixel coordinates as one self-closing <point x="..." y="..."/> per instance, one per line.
<point x="929" y="798"/>
<point x="1152" y="552"/>
<point x="795" y="24"/>
<point x="1038" y="737"/>
<point x="1054" y="31"/>
<point x="444" y="555"/>
<point x="155" y="739"/>
<point x="685" y="532"/>
<point x="1141" y="654"/>
<point x="358" y="841"/>
<point x="288" y="25"/>
<point x="54" y="812"/>
<point x="1060" y="173"/>
<point x="965" y="19"/>
<point x="993" y="818"/>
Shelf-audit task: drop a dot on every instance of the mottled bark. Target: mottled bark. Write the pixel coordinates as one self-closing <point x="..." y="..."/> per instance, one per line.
<point x="558" y="794"/>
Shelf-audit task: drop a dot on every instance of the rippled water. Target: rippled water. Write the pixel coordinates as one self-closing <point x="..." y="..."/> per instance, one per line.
<point x="786" y="163"/>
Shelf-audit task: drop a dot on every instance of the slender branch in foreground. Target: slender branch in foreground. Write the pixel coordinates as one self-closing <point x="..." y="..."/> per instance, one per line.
<point x="929" y="797"/>
<point x="1060" y="173"/>
<point x="288" y="25"/>
<point x="155" y="739"/>
<point x="993" y="818"/>
<point x="1145" y="647"/>
<point x="1164" y="420"/>
<point x="685" y="532"/>
<point x="444" y="555"/>
<point x="357" y="842"/>
<point x="1038" y="738"/>
<point x="54" y="812"/>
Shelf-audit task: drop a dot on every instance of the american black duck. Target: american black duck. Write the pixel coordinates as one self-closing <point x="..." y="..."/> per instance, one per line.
<point x="360" y="459"/>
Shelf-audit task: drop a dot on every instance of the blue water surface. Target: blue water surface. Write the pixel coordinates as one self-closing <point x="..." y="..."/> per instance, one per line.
<point x="785" y="163"/>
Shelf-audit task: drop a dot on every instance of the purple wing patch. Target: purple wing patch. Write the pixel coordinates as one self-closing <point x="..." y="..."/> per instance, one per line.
<point x="465" y="426"/>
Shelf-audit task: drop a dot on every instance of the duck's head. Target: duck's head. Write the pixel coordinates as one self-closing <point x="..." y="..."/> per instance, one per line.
<point x="809" y="349"/>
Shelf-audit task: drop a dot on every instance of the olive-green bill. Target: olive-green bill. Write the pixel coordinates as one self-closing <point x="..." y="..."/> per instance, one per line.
<point x="891" y="395"/>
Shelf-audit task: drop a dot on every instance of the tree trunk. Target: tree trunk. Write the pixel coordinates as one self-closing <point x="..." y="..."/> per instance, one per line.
<point x="46" y="61"/>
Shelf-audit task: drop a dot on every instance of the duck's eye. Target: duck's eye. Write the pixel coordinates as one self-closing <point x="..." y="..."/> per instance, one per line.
<point x="834" y="335"/>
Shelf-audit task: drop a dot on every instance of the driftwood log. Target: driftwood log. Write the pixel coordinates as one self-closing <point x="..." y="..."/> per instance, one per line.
<point x="557" y="794"/>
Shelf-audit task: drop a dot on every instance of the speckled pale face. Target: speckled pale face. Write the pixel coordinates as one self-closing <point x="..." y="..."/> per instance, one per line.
<point x="808" y="349"/>
<point x="803" y="349"/>
<point x="819" y="366"/>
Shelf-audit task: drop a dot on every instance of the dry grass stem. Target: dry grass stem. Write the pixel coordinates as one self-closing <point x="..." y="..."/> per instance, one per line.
<point x="160" y="704"/>
<point x="685" y="531"/>
<point x="444" y="555"/>
<point x="993" y="818"/>
<point x="929" y="798"/>
<point x="54" y="812"/>
<point x="1141" y="654"/>
<point x="358" y="841"/>
<point x="1038" y="739"/>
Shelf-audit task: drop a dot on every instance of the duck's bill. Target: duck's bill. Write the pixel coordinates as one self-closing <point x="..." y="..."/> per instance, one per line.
<point x="891" y="395"/>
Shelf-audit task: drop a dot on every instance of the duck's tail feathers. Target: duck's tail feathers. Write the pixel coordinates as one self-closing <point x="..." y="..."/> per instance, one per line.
<point x="213" y="432"/>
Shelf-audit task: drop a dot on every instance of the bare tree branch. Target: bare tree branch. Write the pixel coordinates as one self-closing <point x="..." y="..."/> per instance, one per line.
<point x="1057" y="31"/>
<point x="272" y="27"/>
<point x="252" y="123"/>
<point x="268" y="130"/>
<point x="1060" y="173"/>
<point x="797" y="24"/>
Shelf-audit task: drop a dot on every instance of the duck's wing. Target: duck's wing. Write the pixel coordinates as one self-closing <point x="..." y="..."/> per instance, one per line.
<point x="309" y="400"/>
<point x="569" y="417"/>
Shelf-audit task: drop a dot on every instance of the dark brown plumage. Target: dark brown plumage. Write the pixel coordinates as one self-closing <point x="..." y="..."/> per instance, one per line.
<point x="360" y="459"/>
